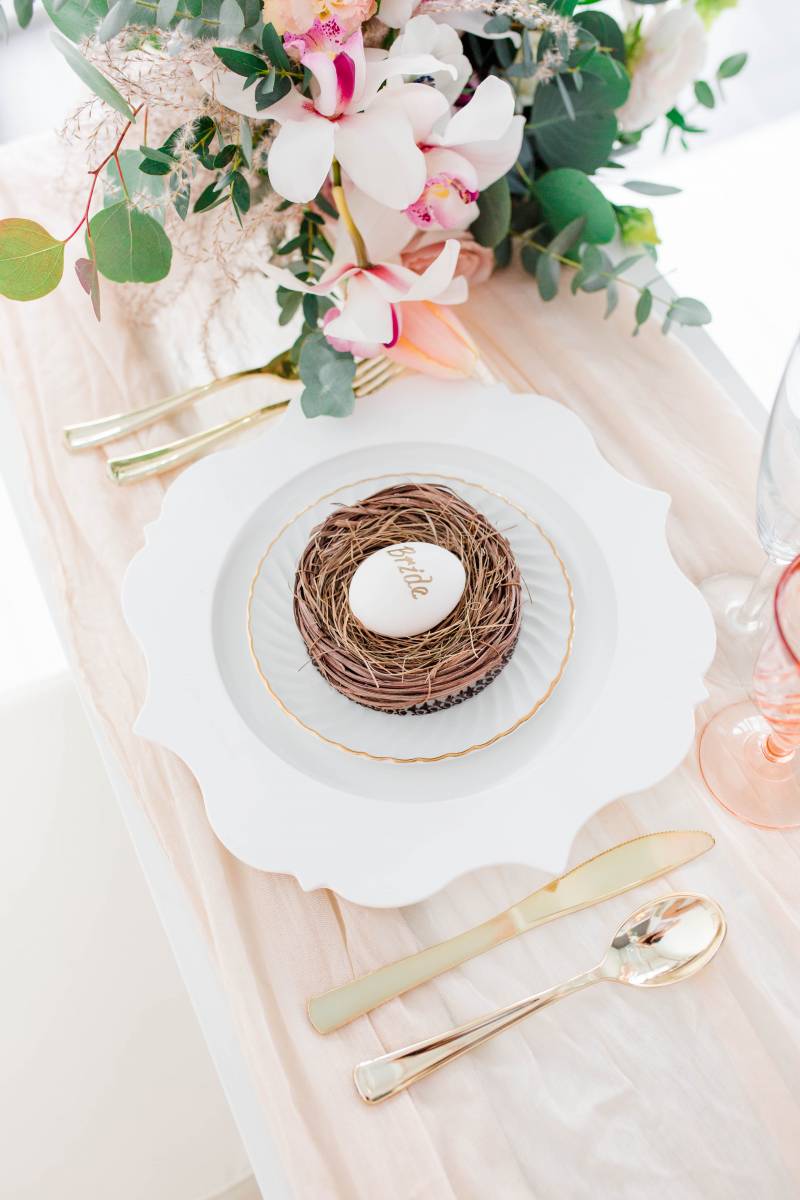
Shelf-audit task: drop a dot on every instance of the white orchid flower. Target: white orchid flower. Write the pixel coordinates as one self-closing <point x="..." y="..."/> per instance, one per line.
<point x="369" y="295"/>
<point x="423" y="35"/>
<point x="370" y="130"/>
<point x="478" y="144"/>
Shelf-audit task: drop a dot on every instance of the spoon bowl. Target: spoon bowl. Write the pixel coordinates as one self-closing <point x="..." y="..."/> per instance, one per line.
<point x="665" y="941"/>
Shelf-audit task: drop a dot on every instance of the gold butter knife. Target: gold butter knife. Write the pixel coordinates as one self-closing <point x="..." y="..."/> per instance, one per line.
<point x="608" y="874"/>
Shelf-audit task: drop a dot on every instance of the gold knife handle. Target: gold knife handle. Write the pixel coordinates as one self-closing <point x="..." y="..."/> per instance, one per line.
<point x="380" y="1078"/>
<point x="337" y="1007"/>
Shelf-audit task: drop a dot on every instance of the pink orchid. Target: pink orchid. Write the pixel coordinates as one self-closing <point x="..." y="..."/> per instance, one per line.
<point x="371" y="130"/>
<point x="367" y="315"/>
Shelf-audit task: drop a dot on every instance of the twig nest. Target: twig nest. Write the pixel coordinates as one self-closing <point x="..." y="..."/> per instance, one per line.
<point x="422" y="671"/>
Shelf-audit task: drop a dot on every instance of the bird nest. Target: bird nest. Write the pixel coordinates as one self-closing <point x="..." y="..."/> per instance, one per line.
<point x="427" y="671"/>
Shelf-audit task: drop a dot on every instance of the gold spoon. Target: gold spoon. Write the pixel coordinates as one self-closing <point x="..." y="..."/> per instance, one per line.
<point x="663" y="942"/>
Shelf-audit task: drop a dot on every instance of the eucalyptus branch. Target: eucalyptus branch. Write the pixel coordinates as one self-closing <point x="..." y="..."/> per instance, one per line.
<point x="609" y="275"/>
<point x="95" y="171"/>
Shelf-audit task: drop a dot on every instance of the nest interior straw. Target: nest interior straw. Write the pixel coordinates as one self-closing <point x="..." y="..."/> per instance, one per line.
<point x="464" y="650"/>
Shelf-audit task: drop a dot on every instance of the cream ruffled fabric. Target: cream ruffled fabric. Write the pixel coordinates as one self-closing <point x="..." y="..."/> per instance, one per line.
<point x="691" y="1092"/>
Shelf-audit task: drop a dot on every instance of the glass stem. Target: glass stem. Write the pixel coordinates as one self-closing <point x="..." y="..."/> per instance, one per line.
<point x="763" y="587"/>
<point x="776" y="749"/>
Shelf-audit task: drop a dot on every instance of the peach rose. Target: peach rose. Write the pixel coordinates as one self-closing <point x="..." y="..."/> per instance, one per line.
<point x="475" y="263"/>
<point x="296" y="16"/>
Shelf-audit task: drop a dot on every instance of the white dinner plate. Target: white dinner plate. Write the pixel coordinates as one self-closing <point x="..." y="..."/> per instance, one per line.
<point x="526" y="683"/>
<point x="377" y="832"/>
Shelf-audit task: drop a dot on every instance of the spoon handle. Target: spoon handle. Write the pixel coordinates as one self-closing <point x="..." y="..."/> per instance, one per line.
<point x="379" y="1078"/>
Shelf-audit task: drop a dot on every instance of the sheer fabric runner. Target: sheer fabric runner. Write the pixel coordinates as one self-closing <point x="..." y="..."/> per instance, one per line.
<point x="691" y="1091"/>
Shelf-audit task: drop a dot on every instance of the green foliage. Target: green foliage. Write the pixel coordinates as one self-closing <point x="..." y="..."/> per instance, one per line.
<point x="703" y="94"/>
<point x="129" y="246"/>
<point x="581" y="138"/>
<point x="90" y="75"/>
<point x="31" y="260"/>
<point x="731" y="66"/>
<point x="650" y="189"/>
<point x="566" y="194"/>
<point x="327" y="375"/>
<point x="89" y="279"/>
<point x="494" y="214"/>
<point x="24" y="12"/>
<point x="76" y="19"/>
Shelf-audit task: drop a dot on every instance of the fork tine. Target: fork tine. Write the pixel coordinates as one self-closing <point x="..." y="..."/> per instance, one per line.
<point x="379" y="379"/>
<point x="368" y="367"/>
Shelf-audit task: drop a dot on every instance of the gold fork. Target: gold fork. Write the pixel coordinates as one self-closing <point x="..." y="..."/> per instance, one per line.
<point x="371" y="374"/>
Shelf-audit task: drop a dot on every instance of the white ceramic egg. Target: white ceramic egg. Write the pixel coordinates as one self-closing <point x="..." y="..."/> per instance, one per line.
<point x="406" y="588"/>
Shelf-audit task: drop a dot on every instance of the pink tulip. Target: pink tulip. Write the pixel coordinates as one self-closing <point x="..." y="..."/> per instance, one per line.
<point x="432" y="340"/>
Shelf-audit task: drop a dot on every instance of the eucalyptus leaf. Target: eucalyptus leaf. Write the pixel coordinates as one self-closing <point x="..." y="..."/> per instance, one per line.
<point x="246" y="140"/>
<point x="566" y="194"/>
<point x="24" y="11"/>
<point x="31" y="260"/>
<point x="76" y="19"/>
<point x="644" y="306"/>
<point x="91" y="76"/>
<point x="86" y="270"/>
<point x="548" y="272"/>
<point x="703" y="94"/>
<point x="115" y="20"/>
<point x="582" y="138"/>
<point x="687" y="311"/>
<point x="646" y="188"/>
<point x="567" y="237"/>
<point x="606" y="30"/>
<point x="231" y="20"/>
<point x="731" y="66"/>
<point x="494" y="214"/>
<point x="328" y="378"/>
<point x="529" y="257"/>
<point x="129" y="246"/>
<point x="165" y="13"/>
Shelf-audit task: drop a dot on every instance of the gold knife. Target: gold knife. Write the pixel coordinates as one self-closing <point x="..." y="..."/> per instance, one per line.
<point x="608" y="874"/>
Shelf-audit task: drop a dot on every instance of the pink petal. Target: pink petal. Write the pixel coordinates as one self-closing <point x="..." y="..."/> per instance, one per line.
<point x="432" y="340"/>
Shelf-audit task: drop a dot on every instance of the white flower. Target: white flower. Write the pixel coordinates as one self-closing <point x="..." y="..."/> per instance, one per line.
<point x="373" y="131"/>
<point x="670" y="55"/>
<point x="422" y="35"/>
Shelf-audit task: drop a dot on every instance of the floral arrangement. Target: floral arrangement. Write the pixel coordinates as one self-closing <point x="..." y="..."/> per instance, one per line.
<point x="395" y="151"/>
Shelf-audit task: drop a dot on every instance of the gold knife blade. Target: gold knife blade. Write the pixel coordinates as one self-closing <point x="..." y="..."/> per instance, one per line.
<point x="608" y="874"/>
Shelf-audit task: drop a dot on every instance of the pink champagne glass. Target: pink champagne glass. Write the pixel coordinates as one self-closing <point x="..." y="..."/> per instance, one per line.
<point x="749" y="752"/>
<point x="740" y="602"/>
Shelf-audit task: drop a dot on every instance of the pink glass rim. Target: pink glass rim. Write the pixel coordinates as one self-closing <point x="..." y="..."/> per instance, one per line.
<point x="788" y="574"/>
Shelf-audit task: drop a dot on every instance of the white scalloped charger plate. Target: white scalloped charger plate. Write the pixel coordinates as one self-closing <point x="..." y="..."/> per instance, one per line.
<point x="378" y="833"/>
<point x="528" y="681"/>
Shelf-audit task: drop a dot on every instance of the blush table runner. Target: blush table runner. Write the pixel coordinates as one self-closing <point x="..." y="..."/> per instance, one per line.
<point x="692" y="1091"/>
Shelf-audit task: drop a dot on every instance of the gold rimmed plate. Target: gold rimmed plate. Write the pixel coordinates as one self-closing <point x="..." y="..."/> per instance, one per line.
<point x="508" y="703"/>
